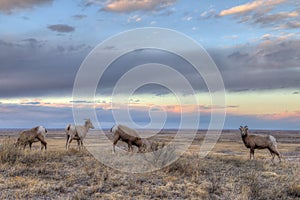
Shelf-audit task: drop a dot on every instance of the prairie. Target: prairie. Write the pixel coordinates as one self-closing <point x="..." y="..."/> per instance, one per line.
<point x="225" y="173"/>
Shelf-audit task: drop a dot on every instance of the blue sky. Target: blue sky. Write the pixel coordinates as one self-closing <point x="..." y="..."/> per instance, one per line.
<point x="254" y="43"/>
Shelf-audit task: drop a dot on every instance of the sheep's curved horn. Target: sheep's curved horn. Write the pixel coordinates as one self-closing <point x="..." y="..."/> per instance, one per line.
<point x="241" y="126"/>
<point x="246" y="126"/>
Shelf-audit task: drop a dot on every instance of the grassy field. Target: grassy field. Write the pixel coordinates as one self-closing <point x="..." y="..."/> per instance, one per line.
<point x="226" y="173"/>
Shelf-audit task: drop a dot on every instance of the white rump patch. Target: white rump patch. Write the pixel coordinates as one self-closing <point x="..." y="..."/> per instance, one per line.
<point x="273" y="140"/>
<point x="114" y="128"/>
<point x="42" y="130"/>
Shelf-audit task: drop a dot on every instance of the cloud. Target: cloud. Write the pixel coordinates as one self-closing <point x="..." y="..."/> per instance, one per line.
<point x="251" y="6"/>
<point x="266" y="13"/>
<point x="290" y="25"/>
<point x="79" y="16"/>
<point x="134" y="18"/>
<point x="31" y="68"/>
<point x="8" y="6"/>
<point x="267" y="19"/>
<point x="291" y="116"/>
<point x="61" y="28"/>
<point x="72" y="48"/>
<point x="270" y="64"/>
<point x="208" y="14"/>
<point x="32" y="115"/>
<point x="127" y="6"/>
<point x="32" y="103"/>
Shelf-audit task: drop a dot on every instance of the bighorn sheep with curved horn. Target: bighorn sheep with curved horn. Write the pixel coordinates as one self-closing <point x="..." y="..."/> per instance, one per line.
<point x="253" y="142"/>
<point x="77" y="133"/>
<point x="128" y="135"/>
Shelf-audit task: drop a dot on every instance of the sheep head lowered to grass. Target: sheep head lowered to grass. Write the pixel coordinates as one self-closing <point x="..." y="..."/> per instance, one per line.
<point x="253" y="142"/>
<point x="35" y="134"/>
<point x="128" y="135"/>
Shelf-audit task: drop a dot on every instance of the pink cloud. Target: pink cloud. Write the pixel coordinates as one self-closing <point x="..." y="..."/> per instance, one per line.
<point x="135" y="5"/>
<point x="284" y="115"/>
<point x="250" y="6"/>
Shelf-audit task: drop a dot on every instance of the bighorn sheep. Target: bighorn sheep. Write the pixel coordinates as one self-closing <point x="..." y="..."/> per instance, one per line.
<point x="77" y="133"/>
<point x="259" y="142"/>
<point x="128" y="135"/>
<point x="35" y="134"/>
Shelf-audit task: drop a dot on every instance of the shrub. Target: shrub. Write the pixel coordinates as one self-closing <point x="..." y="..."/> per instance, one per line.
<point x="8" y="152"/>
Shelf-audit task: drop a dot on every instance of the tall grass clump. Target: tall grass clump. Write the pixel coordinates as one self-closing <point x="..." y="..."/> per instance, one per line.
<point x="160" y="154"/>
<point x="8" y="152"/>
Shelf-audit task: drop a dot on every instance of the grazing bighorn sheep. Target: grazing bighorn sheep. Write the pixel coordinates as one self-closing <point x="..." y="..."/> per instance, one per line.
<point x="128" y="135"/>
<point x="77" y="133"/>
<point x="259" y="142"/>
<point x="35" y="134"/>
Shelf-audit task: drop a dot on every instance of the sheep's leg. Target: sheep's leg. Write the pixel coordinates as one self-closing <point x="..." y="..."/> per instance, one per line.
<point x="30" y="144"/>
<point x="278" y="155"/>
<point x="41" y="139"/>
<point x="273" y="156"/>
<point x="116" y="139"/>
<point x="68" y="136"/>
<point x="251" y="153"/>
<point x="81" y="142"/>
<point x="43" y="145"/>
<point x="69" y="142"/>
<point x="274" y="153"/>
<point x="130" y="147"/>
<point x="78" y="144"/>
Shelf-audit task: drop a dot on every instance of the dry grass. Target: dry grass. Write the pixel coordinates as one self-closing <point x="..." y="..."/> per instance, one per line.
<point x="73" y="174"/>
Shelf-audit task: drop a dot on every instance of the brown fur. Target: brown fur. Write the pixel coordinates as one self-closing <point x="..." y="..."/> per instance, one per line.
<point x="31" y="136"/>
<point x="128" y="135"/>
<point x="253" y="142"/>
<point x="77" y="133"/>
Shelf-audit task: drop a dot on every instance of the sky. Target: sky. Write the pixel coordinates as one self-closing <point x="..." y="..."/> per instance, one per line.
<point x="254" y="44"/>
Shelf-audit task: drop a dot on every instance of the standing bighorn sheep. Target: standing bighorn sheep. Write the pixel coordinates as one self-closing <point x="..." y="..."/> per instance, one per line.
<point x="77" y="133"/>
<point x="259" y="142"/>
<point x="128" y="135"/>
<point x="35" y="134"/>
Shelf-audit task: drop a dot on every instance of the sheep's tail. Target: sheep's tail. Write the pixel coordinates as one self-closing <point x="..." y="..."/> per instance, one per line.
<point x="114" y="128"/>
<point x="68" y="127"/>
<point x="273" y="140"/>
